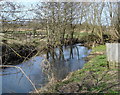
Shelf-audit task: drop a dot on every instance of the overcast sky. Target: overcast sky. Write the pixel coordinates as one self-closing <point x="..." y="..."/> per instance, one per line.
<point x="31" y="14"/>
<point x="62" y="0"/>
<point x="22" y="0"/>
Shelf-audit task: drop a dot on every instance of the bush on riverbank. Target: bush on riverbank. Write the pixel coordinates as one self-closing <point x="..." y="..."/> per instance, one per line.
<point x="91" y="40"/>
<point x="16" y="53"/>
<point x="95" y="77"/>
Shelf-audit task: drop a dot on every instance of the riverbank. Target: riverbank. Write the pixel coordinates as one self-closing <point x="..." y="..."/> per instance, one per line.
<point x="15" y="51"/>
<point x="95" y="77"/>
<point x="13" y="54"/>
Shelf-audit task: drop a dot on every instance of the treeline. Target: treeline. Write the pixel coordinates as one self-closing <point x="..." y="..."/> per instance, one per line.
<point x="61" y="19"/>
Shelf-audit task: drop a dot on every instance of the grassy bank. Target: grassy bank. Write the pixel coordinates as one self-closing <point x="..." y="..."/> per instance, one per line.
<point x="95" y="77"/>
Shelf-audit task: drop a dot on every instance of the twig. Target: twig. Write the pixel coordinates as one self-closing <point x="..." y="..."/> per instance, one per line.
<point x="14" y="51"/>
<point x="23" y="73"/>
<point x="29" y="54"/>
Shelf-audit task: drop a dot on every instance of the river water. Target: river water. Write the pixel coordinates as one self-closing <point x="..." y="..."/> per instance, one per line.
<point x="13" y="81"/>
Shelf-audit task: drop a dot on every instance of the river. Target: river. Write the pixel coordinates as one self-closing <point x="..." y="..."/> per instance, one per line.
<point x="13" y="81"/>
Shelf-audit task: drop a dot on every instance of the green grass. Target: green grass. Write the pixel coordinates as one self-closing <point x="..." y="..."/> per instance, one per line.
<point x="96" y="64"/>
<point x="100" y="48"/>
<point x="79" y="34"/>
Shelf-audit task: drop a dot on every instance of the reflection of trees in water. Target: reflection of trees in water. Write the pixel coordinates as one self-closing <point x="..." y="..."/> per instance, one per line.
<point x="77" y="51"/>
<point x="53" y="55"/>
<point x="61" y="55"/>
<point x="71" y="52"/>
<point x="54" y="65"/>
<point x="55" y="70"/>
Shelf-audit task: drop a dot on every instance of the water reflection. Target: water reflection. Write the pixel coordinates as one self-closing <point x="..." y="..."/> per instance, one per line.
<point x="68" y="60"/>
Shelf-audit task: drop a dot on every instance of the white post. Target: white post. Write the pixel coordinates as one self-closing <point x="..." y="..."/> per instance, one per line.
<point x="113" y="54"/>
